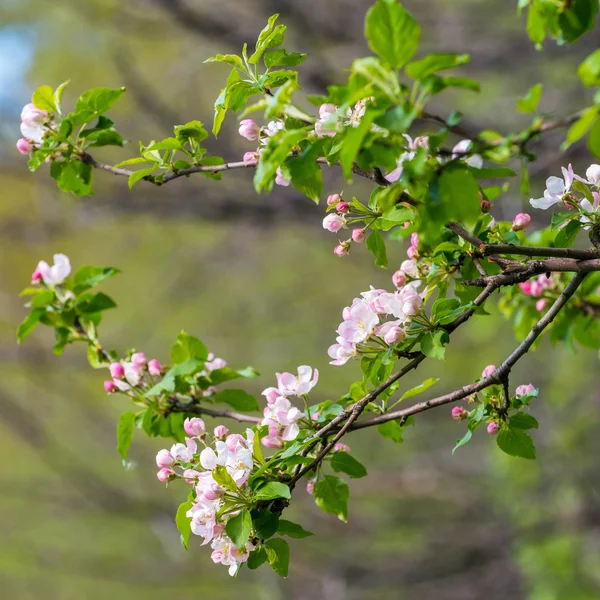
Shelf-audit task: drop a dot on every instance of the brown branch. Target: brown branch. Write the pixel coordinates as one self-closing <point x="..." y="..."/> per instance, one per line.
<point x="198" y="409"/>
<point x="496" y="377"/>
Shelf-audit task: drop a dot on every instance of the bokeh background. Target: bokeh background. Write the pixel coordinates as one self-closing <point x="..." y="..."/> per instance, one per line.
<point x="256" y="279"/>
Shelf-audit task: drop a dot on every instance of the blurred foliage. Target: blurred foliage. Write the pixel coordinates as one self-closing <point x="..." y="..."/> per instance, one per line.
<point x="261" y="286"/>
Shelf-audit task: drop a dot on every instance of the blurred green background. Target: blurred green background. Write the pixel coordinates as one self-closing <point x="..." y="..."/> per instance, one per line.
<point x="256" y="279"/>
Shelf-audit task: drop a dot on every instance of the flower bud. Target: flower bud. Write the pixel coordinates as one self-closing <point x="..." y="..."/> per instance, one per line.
<point x="36" y="277"/>
<point x="109" y="386"/>
<point x="24" y="146"/>
<point x="399" y="278"/>
<point x="493" y="428"/>
<point x="333" y="222"/>
<point x="541" y="304"/>
<point x="412" y="305"/>
<point x="339" y="447"/>
<point x="341" y="249"/>
<point x="164" y="459"/>
<point x="194" y="426"/>
<point x="116" y="370"/>
<point x="31" y="115"/>
<point x="486" y="206"/>
<point x="280" y="179"/>
<point x="459" y="413"/>
<point x="270" y="441"/>
<point x="221" y="431"/>
<point x="412" y="252"/>
<point x="488" y="371"/>
<point x="521" y="221"/>
<point x="138" y="360"/>
<point x="213" y="491"/>
<point x="358" y="235"/>
<point x="154" y="368"/>
<point x="342" y="207"/>
<point x="165" y="475"/>
<point x="310" y="487"/>
<point x="526" y="287"/>
<point x="325" y="110"/>
<point x="250" y="157"/>
<point x="249" y="130"/>
<point x="394" y="335"/>
<point x="523" y="390"/>
<point x="333" y="199"/>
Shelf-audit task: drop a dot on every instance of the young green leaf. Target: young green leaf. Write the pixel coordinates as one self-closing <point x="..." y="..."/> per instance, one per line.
<point x="515" y="442"/>
<point x="237" y="399"/>
<point x="342" y="462"/>
<point x="273" y="490"/>
<point x="292" y="530"/>
<point x="238" y="528"/>
<point x="278" y="555"/>
<point x="331" y="496"/>
<point x="224" y="479"/>
<point x="529" y="103"/>
<point x="376" y="245"/>
<point x="183" y="522"/>
<point x="186" y="347"/>
<point x="125" y="433"/>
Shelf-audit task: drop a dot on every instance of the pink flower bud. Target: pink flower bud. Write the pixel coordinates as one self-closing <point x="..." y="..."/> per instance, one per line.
<point x="526" y="287"/>
<point x="221" y="431"/>
<point x="116" y="370"/>
<point x="523" y="390"/>
<point x="164" y="459"/>
<point x="213" y="491"/>
<point x="310" y="487"/>
<point x="194" y="426"/>
<point x="486" y="206"/>
<point x="24" y="146"/>
<point x="36" y="277"/>
<point x="270" y="441"/>
<point x="191" y="476"/>
<point x="109" y="386"/>
<point x="31" y="115"/>
<point x="459" y="413"/>
<point x="394" y="335"/>
<point x="138" y="359"/>
<point x="342" y="207"/>
<point x="521" y="221"/>
<point x="399" y="279"/>
<point x="250" y="157"/>
<point x="541" y="304"/>
<point x="154" y="368"/>
<point x="493" y="428"/>
<point x="339" y="447"/>
<point x="165" y="475"/>
<point x="412" y="253"/>
<point x="333" y="222"/>
<point x="341" y="249"/>
<point x="488" y="371"/>
<point x="325" y="110"/>
<point x="358" y="235"/>
<point x="249" y="130"/>
<point x="333" y="199"/>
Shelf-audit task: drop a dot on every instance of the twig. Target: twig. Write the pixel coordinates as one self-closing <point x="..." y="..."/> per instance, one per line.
<point x="198" y="409"/>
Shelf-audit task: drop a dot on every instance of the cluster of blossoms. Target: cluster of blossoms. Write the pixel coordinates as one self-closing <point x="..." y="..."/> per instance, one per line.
<point x="34" y="125"/>
<point x="460" y="414"/>
<point x="562" y="190"/>
<point x="52" y="275"/>
<point x="232" y="453"/>
<point x="280" y="416"/>
<point x="128" y="374"/>
<point x="538" y="287"/>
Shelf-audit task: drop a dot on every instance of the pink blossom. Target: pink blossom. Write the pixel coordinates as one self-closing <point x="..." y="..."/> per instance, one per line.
<point x="493" y="428"/>
<point x="411" y="301"/>
<point x="194" y="427"/>
<point x="394" y="335"/>
<point x="340" y="447"/>
<point x="341" y="249"/>
<point x="541" y="304"/>
<point x="462" y="149"/>
<point x="297" y="385"/>
<point x="523" y="390"/>
<point x="358" y="235"/>
<point x="399" y="278"/>
<point x="166" y="475"/>
<point x="24" y="146"/>
<point x="32" y="116"/>
<point x="109" y="386"/>
<point x="154" y="368"/>
<point x="271" y="394"/>
<point x="341" y="352"/>
<point x="191" y="475"/>
<point x="488" y="371"/>
<point x="410" y="267"/>
<point x="214" y="362"/>
<point x="249" y="130"/>
<point x="272" y="442"/>
<point x="36" y="277"/>
<point x="334" y="222"/>
<point x="459" y="413"/>
<point x="521" y="221"/>
<point x="486" y="206"/>
<point x="326" y="110"/>
<point x="593" y="175"/>
<point x="250" y="157"/>
<point x="184" y="452"/>
<point x="342" y="207"/>
<point x="556" y="189"/>
<point x="164" y="459"/>
<point x="373" y="297"/>
<point x="138" y="360"/>
<point x="117" y="371"/>
<point x="280" y="179"/>
<point x="310" y="487"/>
<point x="57" y="273"/>
<point x="333" y="199"/>
<point x="525" y="287"/>
<point x="221" y="431"/>
<point x="281" y="418"/>
<point x="361" y="323"/>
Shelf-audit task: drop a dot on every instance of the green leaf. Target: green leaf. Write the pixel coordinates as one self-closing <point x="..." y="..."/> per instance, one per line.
<point x="30" y="323"/>
<point x="523" y="420"/>
<point x="352" y="141"/>
<point x="43" y="98"/>
<point x="419" y="389"/>
<point x="331" y="496"/>
<point x="432" y="346"/>
<point x="566" y="236"/>
<point x="581" y="126"/>
<point x="93" y="303"/>
<point x="273" y="490"/>
<point x="392" y="33"/>
<point x="529" y="103"/>
<point x="238" y="528"/>
<point x="515" y="442"/>
<point x="280" y="58"/>
<point x="87" y="277"/>
<point x="578" y="18"/>
<point x="379" y="75"/>
<point x="458" y="193"/>
<point x="194" y="130"/>
<point x="419" y="69"/>
<point x="237" y="399"/>
<point x="463" y="440"/>
<point x="183" y="522"/>
<point x="96" y="102"/>
<point x="224" y="479"/>
<point x="186" y="347"/>
<point x="392" y="430"/>
<point x="292" y="530"/>
<point x="138" y="175"/>
<point x="306" y="173"/>
<point x="73" y="176"/>
<point x="593" y="140"/>
<point x="169" y="143"/>
<point x="278" y="555"/>
<point x="231" y="59"/>
<point x="342" y="462"/>
<point x="376" y="245"/>
<point x="589" y="70"/>
<point x="125" y="433"/>
<point x="265" y="523"/>
<point x="58" y="94"/>
<point x="257" y="558"/>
